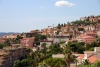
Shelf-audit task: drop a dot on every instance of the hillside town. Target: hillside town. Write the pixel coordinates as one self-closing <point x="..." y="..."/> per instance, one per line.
<point x="71" y="44"/>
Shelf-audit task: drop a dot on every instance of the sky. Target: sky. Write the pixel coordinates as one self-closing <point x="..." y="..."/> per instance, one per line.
<point x="27" y="15"/>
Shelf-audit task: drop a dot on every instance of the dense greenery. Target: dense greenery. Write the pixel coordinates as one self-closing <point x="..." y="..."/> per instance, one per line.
<point x="61" y="25"/>
<point x="16" y="40"/>
<point x="79" y="47"/>
<point x="9" y="42"/>
<point x="38" y="38"/>
<point x="97" y="64"/>
<point x="78" y="22"/>
<point x="6" y="43"/>
<point x="1" y="46"/>
<point x="44" y="56"/>
<point x="53" y="62"/>
<point x="76" y="47"/>
<point x="55" y="49"/>
<point x="23" y="63"/>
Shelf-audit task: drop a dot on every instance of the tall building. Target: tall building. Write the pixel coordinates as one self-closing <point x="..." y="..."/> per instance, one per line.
<point x="10" y="54"/>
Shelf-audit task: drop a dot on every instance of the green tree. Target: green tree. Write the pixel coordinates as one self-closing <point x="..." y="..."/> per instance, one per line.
<point x="64" y="24"/>
<point x="43" y="37"/>
<point x="98" y="41"/>
<point x="86" y="62"/>
<point x="97" y="64"/>
<point x="54" y="62"/>
<point x="55" y="49"/>
<point x="25" y="63"/>
<point x="76" y="46"/>
<point x="32" y="59"/>
<point x="59" y="26"/>
<point x="94" y="44"/>
<point x="1" y="46"/>
<point x="44" y="50"/>
<point x="43" y="45"/>
<point x="73" y="47"/>
<point x="17" y="40"/>
<point x="8" y="42"/>
<point x="17" y="63"/>
<point x="43" y="65"/>
<point x="80" y="29"/>
<point x="37" y="42"/>
<point x="68" y="56"/>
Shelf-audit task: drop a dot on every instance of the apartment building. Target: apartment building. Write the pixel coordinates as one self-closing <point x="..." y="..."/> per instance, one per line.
<point x="10" y="54"/>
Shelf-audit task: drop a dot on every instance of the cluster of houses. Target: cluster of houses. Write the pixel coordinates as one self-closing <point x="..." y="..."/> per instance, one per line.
<point x="90" y="18"/>
<point x="91" y="56"/>
<point x="67" y="33"/>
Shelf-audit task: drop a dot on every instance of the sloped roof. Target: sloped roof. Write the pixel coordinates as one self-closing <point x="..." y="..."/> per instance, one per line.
<point x="81" y="56"/>
<point x="90" y="32"/>
<point x="86" y="37"/>
<point x="94" y="58"/>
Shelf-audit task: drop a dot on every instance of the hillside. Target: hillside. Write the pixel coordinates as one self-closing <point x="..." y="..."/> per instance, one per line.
<point x="6" y="33"/>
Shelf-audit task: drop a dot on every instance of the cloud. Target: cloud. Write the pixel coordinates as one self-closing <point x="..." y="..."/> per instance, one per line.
<point x="64" y="3"/>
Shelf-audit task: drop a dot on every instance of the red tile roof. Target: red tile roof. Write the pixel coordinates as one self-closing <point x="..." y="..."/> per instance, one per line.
<point x="90" y="32"/>
<point x="81" y="56"/>
<point x="86" y="37"/>
<point x="81" y="35"/>
<point x="93" y="59"/>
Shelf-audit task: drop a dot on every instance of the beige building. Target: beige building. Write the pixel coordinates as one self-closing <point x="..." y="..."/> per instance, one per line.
<point x="9" y="54"/>
<point x="83" y="18"/>
<point x="47" y="42"/>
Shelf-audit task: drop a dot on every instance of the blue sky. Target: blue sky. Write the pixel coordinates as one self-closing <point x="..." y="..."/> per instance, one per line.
<point x="26" y="15"/>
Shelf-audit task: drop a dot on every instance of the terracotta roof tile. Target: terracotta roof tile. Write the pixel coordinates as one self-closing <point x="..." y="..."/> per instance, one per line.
<point x="90" y="32"/>
<point x="87" y="37"/>
<point x="81" y="56"/>
<point x="93" y="59"/>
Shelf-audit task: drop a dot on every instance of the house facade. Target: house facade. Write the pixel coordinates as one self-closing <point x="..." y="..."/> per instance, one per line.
<point x="27" y="42"/>
<point x="85" y="38"/>
<point x="47" y="42"/>
<point x="91" y="33"/>
<point x="10" y="54"/>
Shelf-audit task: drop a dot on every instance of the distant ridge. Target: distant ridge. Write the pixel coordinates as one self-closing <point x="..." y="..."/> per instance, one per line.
<point x="7" y="33"/>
